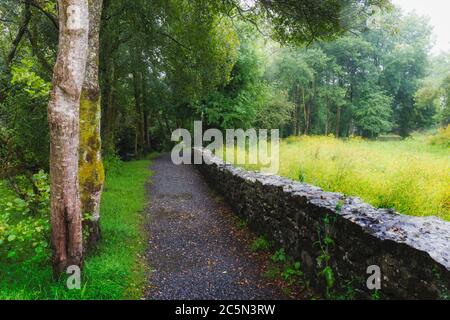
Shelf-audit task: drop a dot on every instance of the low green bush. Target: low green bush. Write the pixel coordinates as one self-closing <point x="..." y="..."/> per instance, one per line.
<point x="25" y="221"/>
<point x="116" y="270"/>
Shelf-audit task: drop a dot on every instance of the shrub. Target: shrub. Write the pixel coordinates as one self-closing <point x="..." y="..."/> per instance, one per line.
<point x="112" y="164"/>
<point x="25" y="223"/>
<point x="260" y="244"/>
<point x="442" y="138"/>
<point x="279" y="256"/>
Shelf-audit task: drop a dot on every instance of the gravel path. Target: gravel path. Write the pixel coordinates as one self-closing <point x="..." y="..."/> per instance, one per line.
<point x="195" y="249"/>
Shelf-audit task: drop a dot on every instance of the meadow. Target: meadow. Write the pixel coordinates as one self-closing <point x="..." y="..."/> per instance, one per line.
<point x="411" y="176"/>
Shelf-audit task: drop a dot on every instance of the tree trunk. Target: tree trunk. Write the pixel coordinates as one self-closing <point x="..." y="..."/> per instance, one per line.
<point x="146" y="113"/>
<point x="63" y="117"/>
<point x="294" y="112"/>
<point x="300" y="102"/>
<point x="22" y="29"/>
<point x="4" y="84"/>
<point x="338" y="121"/>
<point x="310" y="107"/>
<point x="109" y="109"/>
<point x="307" y="116"/>
<point x="108" y="75"/>
<point x="91" y="171"/>
<point x="166" y="122"/>
<point x="146" y="129"/>
<point x="137" y="84"/>
<point x="327" y="117"/>
<point x="305" y="111"/>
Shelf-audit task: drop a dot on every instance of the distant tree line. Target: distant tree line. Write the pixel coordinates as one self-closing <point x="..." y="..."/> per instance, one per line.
<point x="375" y="81"/>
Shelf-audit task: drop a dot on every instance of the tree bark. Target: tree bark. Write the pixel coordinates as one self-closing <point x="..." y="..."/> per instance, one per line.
<point x="91" y="171"/>
<point x="308" y="108"/>
<point x="26" y="17"/>
<point x="139" y="126"/>
<point x="296" y="112"/>
<point x="22" y="29"/>
<point x="146" y="129"/>
<point x="338" y="121"/>
<point x="109" y="108"/>
<point x="305" y="111"/>
<point x="146" y="113"/>
<point x="327" y="117"/>
<point x="63" y="117"/>
<point x="109" y="43"/>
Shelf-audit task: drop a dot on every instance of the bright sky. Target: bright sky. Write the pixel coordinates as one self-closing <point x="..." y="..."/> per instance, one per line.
<point x="438" y="11"/>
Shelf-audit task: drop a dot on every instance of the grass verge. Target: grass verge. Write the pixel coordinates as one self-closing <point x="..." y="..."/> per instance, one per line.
<point x="117" y="270"/>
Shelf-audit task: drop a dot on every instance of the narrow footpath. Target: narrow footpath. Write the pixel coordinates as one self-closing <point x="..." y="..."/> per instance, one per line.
<point x="196" y="250"/>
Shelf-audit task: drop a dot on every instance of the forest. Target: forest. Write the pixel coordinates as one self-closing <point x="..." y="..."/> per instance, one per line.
<point x="91" y="91"/>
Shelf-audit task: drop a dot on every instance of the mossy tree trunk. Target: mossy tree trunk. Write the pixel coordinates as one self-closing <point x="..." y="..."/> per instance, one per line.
<point x="91" y="171"/>
<point x="63" y="118"/>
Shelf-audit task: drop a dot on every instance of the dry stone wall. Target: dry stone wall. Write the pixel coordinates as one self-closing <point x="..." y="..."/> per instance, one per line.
<point x="322" y="229"/>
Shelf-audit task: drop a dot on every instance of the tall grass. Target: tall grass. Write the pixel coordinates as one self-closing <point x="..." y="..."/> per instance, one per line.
<point x="116" y="270"/>
<point x="410" y="176"/>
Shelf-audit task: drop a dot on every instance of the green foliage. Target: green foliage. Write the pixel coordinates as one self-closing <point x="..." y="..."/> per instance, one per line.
<point x="25" y="224"/>
<point x="373" y="116"/>
<point x="241" y="224"/>
<point x="292" y="273"/>
<point x="326" y="244"/>
<point x="432" y="99"/>
<point x="376" y="295"/>
<point x="339" y="205"/>
<point x="328" y="275"/>
<point x="179" y="53"/>
<point x="115" y="271"/>
<point x="348" y="291"/>
<point x="23" y="122"/>
<point x="406" y="65"/>
<point x="300" y="22"/>
<point x="285" y="268"/>
<point x="442" y="138"/>
<point x="112" y="164"/>
<point x="33" y="85"/>
<point x="362" y="84"/>
<point x="279" y="256"/>
<point x="260" y="244"/>
<point x="247" y="100"/>
<point x="444" y="114"/>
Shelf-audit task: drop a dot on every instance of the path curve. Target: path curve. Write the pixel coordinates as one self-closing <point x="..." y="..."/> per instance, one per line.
<point x="195" y="249"/>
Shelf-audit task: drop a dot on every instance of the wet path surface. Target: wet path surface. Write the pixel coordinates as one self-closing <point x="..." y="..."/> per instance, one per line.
<point x="195" y="249"/>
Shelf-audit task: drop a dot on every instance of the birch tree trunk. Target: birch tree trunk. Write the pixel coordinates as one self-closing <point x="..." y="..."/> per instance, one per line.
<point x="91" y="171"/>
<point x="63" y="118"/>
